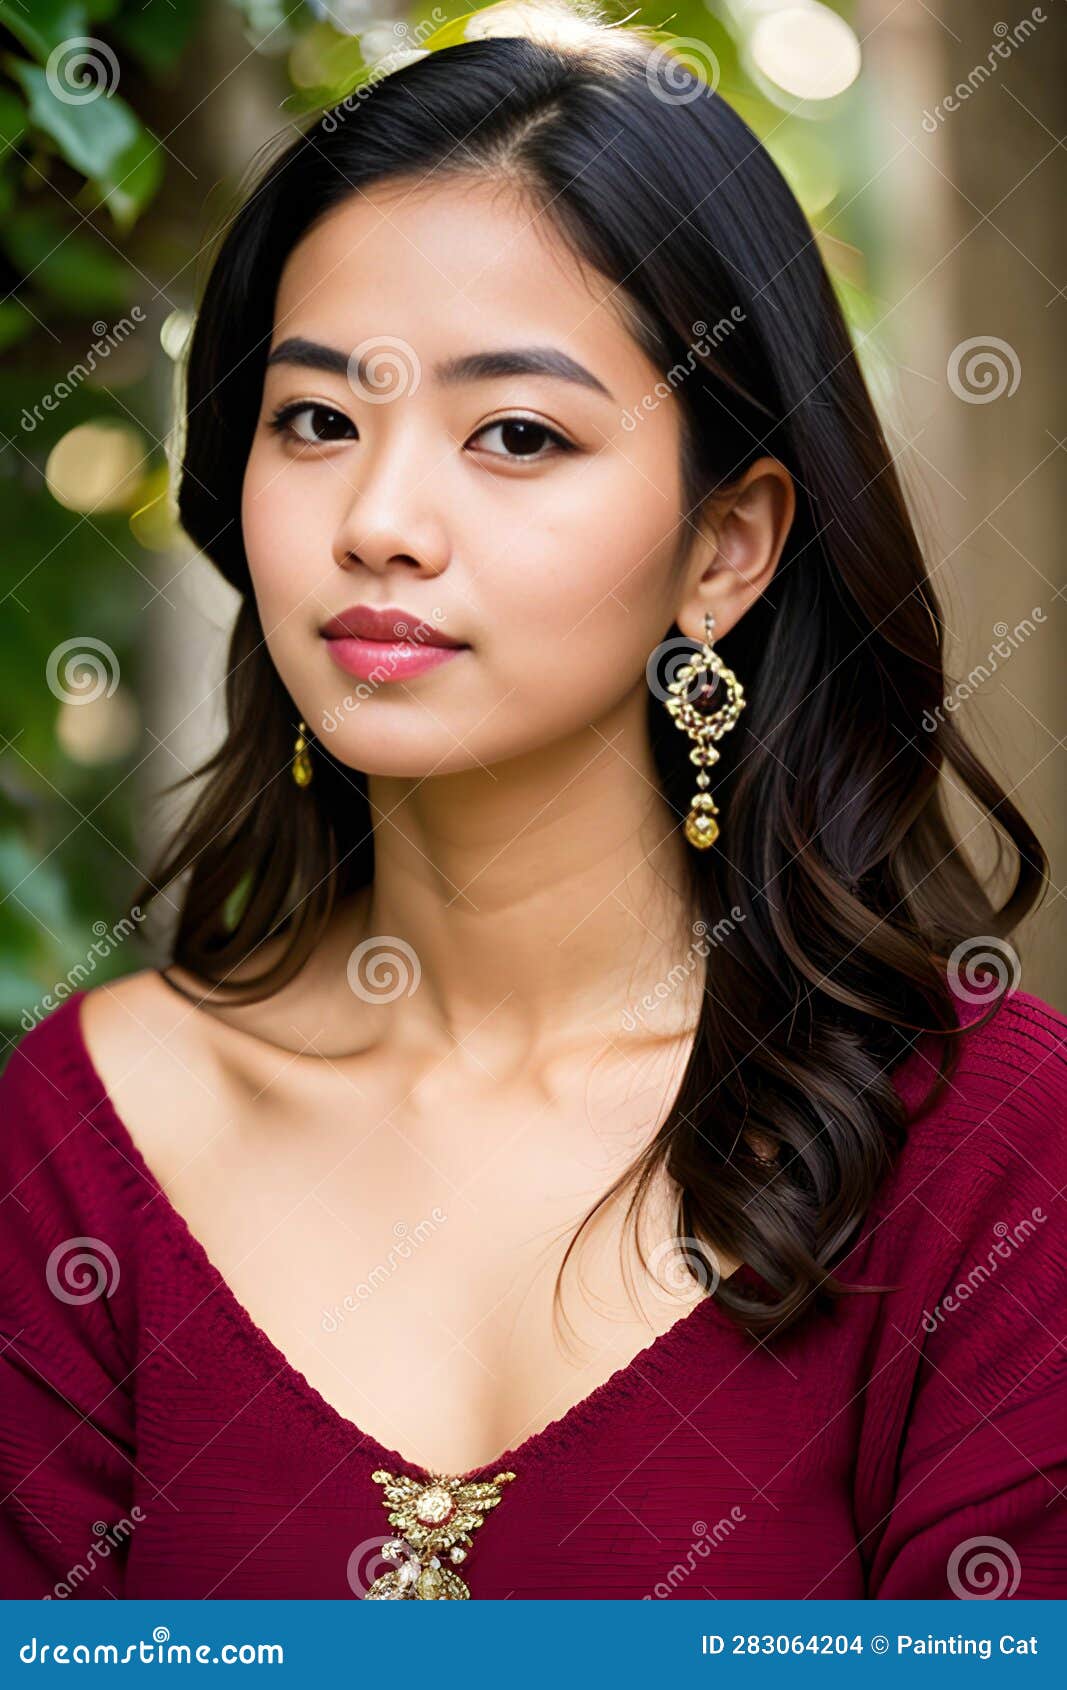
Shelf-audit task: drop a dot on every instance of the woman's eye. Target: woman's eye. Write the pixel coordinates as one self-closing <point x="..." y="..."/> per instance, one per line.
<point x="314" y="425"/>
<point x="318" y="425"/>
<point x="521" y="438"/>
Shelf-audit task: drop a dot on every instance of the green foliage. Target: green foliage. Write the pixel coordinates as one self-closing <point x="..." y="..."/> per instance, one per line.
<point x="80" y="168"/>
<point x="102" y="139"/>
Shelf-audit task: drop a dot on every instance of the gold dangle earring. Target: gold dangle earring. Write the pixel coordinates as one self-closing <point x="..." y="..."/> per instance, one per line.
<point x="301" y="765"/>
<point x="701" y="828"/>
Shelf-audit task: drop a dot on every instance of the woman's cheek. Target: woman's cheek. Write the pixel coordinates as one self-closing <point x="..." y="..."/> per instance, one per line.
<point x="277" y="526"/>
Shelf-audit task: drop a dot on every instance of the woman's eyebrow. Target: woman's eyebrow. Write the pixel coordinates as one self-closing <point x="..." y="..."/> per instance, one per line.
<point x="471" y="366"/>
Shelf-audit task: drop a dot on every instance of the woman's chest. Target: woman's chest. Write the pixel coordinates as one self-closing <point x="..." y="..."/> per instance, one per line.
<point x="707" y="1470"/>
<point x="410" y="1269"/>
<point x="322" y="1297"/>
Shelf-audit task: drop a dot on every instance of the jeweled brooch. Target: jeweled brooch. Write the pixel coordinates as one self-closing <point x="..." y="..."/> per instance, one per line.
<point x="436" y="1519"/>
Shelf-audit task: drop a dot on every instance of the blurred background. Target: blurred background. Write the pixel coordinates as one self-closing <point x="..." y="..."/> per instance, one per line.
<point x="924" y="143"/>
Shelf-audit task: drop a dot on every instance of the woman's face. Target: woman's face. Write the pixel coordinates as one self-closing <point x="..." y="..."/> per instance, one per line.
<point x="511" y="511"/>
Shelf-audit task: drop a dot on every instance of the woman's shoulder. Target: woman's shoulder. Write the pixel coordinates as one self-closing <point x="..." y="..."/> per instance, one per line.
<point x="63" y="1034"/>
<point x="1009" y="1078"/>
<point x="69" y="1232"/>
<point x="87" y="1061"/>
<point x="43" y="1083"/>
<point x="60" y="1179"/>
<point x="1025" y="1034"/>
<point x="990" y="1143"/>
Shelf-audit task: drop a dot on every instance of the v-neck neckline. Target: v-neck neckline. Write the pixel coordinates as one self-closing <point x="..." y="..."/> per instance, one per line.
<point x="655" y="1357"/>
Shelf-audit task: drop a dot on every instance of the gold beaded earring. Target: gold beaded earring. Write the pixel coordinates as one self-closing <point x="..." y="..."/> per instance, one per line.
<point x="301" y="765"/>
<point x="701" y="828"/>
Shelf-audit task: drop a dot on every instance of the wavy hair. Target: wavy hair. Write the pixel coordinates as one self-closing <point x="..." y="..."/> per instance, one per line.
<point x="848" y="889"/>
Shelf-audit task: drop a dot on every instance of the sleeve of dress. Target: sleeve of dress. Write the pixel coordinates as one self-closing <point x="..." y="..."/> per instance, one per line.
<point x="980" y="1499"/>
<point x="66" y="1424"/>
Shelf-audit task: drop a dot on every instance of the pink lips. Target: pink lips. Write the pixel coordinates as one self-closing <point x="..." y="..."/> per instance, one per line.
<point x="386" y="645"/>
<point x="375" y="660"/>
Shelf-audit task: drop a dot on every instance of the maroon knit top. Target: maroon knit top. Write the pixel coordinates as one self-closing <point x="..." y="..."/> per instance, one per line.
<point x="155" y="1443"/>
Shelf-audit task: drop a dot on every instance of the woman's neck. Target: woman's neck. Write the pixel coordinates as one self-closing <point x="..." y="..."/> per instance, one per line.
<point x="550" y="900"/>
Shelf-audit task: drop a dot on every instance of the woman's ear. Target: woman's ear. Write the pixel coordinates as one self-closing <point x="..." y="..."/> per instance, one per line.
<point x="739" y="541"/>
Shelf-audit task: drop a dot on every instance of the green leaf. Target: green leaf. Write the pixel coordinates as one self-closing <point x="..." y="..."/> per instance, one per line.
<point x="15" y="323"/>
<point x="303" y="100"/>
<point x="326" y="61"/>
<point x="38" y="886"/>
<point x="101" y="137"/>
<point x="46" y="26"/>
<point x="12" y="119"/>
<point x="157" y="34"/>
<point x="91" y="134"/>
<point x="136" y="180"/>
<point x="73" y="266"/>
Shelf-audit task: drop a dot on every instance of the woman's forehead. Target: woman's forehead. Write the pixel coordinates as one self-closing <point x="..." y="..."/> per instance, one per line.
<point x="461" y="266"/>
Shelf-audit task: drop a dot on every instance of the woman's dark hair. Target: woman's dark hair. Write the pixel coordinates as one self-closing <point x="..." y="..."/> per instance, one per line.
<point x="844" y="889"/>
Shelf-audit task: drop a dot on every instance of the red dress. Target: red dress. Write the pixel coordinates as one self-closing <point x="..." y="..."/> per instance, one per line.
<point x="154" y="1441"/>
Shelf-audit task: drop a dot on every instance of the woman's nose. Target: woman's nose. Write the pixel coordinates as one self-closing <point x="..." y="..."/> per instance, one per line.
<point x="391" y="515"/>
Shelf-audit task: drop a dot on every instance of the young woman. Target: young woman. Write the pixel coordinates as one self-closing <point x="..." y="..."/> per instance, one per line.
<point x="570" y="1153"/>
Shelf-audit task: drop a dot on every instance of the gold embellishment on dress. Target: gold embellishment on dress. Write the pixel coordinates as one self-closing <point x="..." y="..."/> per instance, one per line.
<point x="436" y="1518"/>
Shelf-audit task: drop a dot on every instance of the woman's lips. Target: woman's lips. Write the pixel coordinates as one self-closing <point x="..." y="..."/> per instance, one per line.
<point x="388" y="660"/>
